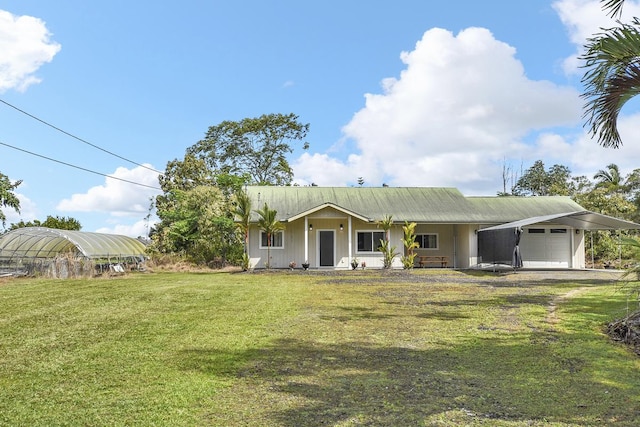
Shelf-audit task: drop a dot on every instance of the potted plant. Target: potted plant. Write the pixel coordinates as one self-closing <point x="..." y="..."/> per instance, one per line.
<point x="354" y="263"/>
<point x="292" y="265"/>
<point x="305" y="265"/>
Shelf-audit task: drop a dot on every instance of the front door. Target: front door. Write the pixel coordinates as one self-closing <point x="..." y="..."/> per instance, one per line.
<point x="326" y="249"/>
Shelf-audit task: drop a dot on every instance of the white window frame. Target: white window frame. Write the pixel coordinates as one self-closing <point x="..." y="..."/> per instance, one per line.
<point x="429" y="234"/>
<point x="373" y="251"/>
<point x="536" y="230"/>
<point x="272" y="238"/>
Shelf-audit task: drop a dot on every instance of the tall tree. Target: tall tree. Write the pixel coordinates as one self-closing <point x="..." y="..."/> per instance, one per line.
<point x="612" y="75"/>
<point x="185" y="174"/>
<point x="197" y="224"/>
<point x="623" y="191"/>
<point x="7" y="198"/>
<point x="509" y="179"/>
<point x="232" y="154"/>
<point x="536" y="181"/>
<point x="256" y="147"/>
<point x="269" y="224"/>
<point x="632" y="184"/>
<point x="610" y="179"/>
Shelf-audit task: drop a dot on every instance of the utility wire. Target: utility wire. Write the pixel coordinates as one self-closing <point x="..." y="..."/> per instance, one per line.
<point x="79" y="167"/>
<point x="78" y="138"/>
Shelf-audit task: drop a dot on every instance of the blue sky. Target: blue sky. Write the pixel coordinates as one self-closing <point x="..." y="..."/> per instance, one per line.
<point x="408" y="93"/>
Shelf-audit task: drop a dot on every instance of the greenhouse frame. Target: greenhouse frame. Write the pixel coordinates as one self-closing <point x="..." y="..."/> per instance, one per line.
<point x="67" y="253"/>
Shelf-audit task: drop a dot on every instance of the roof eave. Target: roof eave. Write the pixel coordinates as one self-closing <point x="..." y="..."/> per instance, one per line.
<point x="327" y="205"/>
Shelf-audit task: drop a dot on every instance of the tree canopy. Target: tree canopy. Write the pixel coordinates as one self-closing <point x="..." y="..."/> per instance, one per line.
<point x="253" y="147"/>
<point x="537" y="181"/>
<point x="58" y="222"/>
<point x="197" y="224"/>
<point x="202" y="193"/>
<point x="609" y="178"/>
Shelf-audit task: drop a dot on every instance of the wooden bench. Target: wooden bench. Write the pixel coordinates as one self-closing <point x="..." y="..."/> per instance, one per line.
<point x="433" y="259"/>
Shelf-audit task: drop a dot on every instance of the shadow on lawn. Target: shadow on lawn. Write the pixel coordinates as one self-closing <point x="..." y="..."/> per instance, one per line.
<point x="356" y="313"/>
<point x="516" y="379"/>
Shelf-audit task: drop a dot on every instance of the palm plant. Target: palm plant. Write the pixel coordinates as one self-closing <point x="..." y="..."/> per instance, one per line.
<point x="612" y="60"/>
<point x="388" y="251"/>
<point x="243" y="213"/>
<point x="610" y="179"/>
<point x="409" y="242"/>
<point x="268" y="223"/>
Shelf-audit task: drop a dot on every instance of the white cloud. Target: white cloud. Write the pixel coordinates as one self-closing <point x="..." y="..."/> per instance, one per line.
<point x="25" y="45"/>
<point x="583" y="19"/>
<point x="462" y="104"/>
<point x="28" y="210"/>
<point x="117" y="197"/>
<point x="323" y="170"/>
<point x="139" y="228"/>
<point x="587" y="156"/>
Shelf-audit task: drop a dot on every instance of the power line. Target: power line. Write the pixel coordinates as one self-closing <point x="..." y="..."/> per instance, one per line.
<point x="79" y="167"/>
<point x="78" y="138"/>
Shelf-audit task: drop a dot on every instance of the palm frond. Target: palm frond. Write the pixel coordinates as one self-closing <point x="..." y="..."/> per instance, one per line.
<point x="612" y="59"/>
<point x="614" y="7"/>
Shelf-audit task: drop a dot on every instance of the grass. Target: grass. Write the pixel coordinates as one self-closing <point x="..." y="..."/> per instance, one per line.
<point x="289" y="349"/>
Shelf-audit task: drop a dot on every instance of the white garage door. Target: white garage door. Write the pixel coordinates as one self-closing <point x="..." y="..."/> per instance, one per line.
<point x="546" y="247"/>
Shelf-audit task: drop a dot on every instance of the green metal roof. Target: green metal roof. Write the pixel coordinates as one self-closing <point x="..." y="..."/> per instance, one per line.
<point x="413" y="204"/>
<point x="42" y="242"/>
<point x="506" y="209"/>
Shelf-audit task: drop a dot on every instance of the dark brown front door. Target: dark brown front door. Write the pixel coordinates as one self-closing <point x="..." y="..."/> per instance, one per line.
<point x="326" y="248"/>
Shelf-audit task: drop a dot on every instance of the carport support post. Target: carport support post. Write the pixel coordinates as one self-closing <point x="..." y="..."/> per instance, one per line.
<point x="593" y="263"/>
<point x="619" y="248"/>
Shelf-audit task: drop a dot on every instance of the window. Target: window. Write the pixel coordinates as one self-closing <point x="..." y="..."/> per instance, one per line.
<point x="536" y="230"/>
<point x="558" y="231"/>
<point x="427" y="241"/>
<point x="369" y="241"/>
<point x="277" y="240"/>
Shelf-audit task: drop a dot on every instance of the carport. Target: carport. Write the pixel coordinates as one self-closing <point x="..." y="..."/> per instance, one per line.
<point x="549" y="241"/>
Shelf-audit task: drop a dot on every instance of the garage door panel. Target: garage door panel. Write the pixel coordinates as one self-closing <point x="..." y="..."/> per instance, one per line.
<point x="546" y="247"/>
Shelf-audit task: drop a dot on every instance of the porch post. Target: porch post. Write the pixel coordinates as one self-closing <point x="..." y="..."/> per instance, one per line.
<point x="350" y="243"/>
<point x="306" y="239"/>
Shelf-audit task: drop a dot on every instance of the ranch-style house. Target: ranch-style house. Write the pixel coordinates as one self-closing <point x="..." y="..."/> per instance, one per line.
<point x="329" y="227"/>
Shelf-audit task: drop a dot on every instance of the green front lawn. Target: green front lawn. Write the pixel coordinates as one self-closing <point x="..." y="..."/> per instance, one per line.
<point x="298" y="349"/>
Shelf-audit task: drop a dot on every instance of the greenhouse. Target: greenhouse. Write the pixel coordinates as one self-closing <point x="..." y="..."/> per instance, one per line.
<point x="67" y="253"/>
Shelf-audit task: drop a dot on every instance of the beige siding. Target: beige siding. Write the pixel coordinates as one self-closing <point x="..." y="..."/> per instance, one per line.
<point x="325" y="220"/>
<point x="445" y="233"/>
<point x="466" y="245"/>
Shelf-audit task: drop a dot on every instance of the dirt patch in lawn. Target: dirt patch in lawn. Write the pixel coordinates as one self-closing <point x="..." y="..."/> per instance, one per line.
<point x="552" y="317"/>
<point x="505" y="277"/>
